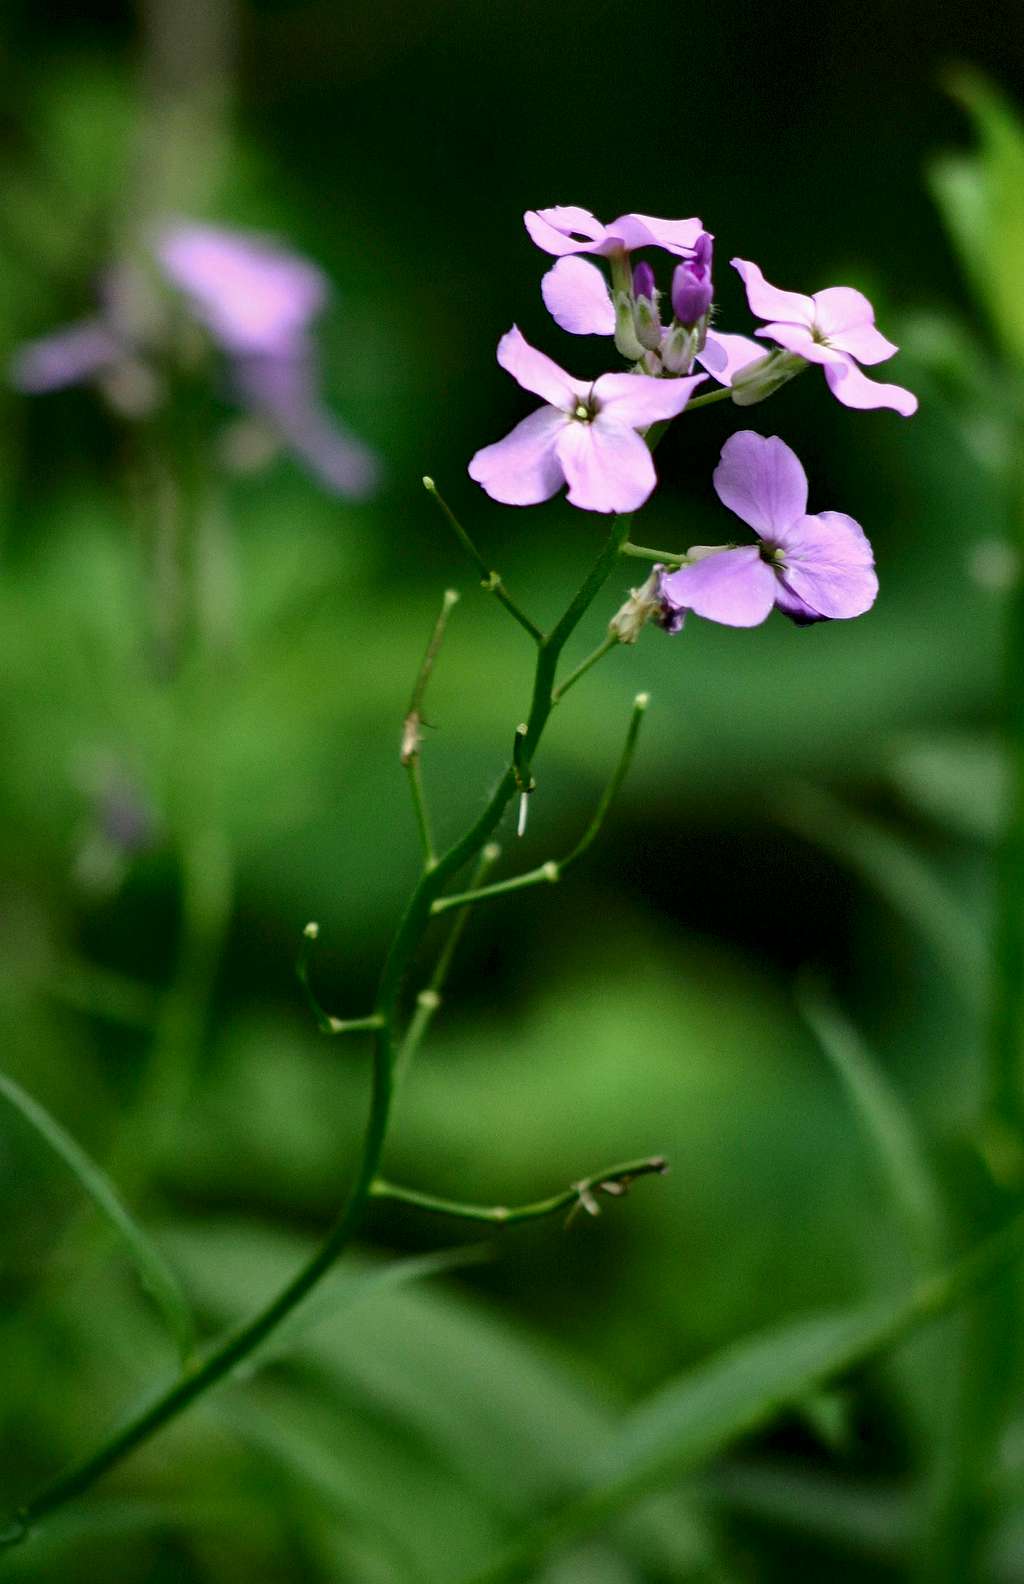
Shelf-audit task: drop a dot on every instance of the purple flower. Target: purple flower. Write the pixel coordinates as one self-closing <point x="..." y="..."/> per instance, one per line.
<point x="258" y="302"/>
<point x="836" y="328"/>
<point x="577" y="297"/>
<point x="814" y="568"/>
<point x="254" y="298"/>
<point x="692" y="291"/>
<point x="566" y="229"/>
<point x="585" y="436"/>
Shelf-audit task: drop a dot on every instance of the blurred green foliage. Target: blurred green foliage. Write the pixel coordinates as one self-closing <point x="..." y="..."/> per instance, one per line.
<point x="824" y="798"/>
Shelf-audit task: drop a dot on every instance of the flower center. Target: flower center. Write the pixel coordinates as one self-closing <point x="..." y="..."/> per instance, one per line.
<point x="585" y="410"/>
<point x="773" y="554"/>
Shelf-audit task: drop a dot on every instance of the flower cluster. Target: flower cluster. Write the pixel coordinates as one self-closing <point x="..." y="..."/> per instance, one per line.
<point x="597" y="436"/>
<point x="256" y="301"/>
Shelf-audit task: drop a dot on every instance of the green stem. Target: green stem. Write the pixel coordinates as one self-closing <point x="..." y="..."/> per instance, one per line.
<point x="552" y="871"/>
<point x="641" y="552"/>
<point x="614" y="1182"/>
<point x="403" y="949"/>
<point x="412" y="734"/>
<point x="490" y="581"/>
<point x="581" y="670"/>
<point x="706" y="401"/>
<point x="419" y="802"/>
<point x="429" y="999"/>
<point x="324" y="1020"/>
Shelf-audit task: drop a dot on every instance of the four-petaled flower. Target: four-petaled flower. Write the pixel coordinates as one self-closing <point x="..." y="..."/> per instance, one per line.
<point x="834" y="327"/>
<point x="814" y="568"/>
<point x="567" y="229"/>
<point x="586" y="436"/>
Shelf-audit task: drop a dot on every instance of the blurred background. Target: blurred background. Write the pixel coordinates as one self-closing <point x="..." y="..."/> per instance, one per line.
<point x="803" y="847"/>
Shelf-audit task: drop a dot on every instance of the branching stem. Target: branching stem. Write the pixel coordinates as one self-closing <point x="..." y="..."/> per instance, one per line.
<point x="613" y="1182"/>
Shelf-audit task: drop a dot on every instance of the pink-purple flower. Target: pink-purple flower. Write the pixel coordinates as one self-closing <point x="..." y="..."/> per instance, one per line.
<point x="834" y="327"/>
<point x="812" y="567"/>
<point x="256" y="300"/>
<point x="566" y="229"/>
<point x="585" y="436"/>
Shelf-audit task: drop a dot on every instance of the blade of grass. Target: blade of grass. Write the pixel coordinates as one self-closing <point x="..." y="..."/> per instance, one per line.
<point x="156" y="1276"/>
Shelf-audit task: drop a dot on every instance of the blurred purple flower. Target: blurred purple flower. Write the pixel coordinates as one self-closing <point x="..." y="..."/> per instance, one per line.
<point x="258" y="303"/>
<point x="814" y="568"/>
<point x="566" y="229"/>
<point x="586" y="436"/>
<point x="67" y="357"/>
<point x="578" y="298"/>
<point x="836" y="328"/>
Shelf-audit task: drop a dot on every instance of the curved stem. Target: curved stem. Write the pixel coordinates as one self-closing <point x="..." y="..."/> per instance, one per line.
<point x="404" y="947"/>
<point x="491" y="581"/>
<point x="614" y="1182"/>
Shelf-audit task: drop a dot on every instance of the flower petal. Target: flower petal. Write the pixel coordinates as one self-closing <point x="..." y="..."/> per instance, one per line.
<point x="564" y="229"/>
<point x="797" y="338"/>
<point x="769" y="302"/>
<point x="286" y="391"/>
<point x="607" y="466"/>
<point x="523" y="469"/>
<point x="854" y="389"/>
<point x="639" y="230"/>
<point x="251" y="294"/>
<point x="761" y="480"/>
<point x="642" y="399"/>
<point x="724" y="355"/>
<point x="577" y="298"/>
<point x="847" y="319"/>
<point x="538" y="373"/>
<point x="734" y="587"/>
<point x="793" y="606"/>
<point x="67" y="357"/>
<point x="829" y="564"/>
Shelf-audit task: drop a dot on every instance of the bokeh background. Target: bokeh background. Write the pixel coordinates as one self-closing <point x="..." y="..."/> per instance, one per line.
<point x="808" y="823"/>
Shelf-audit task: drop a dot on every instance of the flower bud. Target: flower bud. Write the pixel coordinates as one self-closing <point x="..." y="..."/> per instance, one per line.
<point x="679" y="349"/>
<point x="764" y="376"/>
<point x="626" y="340"/>
<point x="647" y="322"/>
<point x="692" y="290"/>
<point x="643" y="281"/>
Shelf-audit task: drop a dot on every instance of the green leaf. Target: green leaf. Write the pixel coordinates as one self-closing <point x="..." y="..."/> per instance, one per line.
<point x="886" y="1123"/>
<point x="741" y="1390"/>
<point x="156" y="1275"/>
<point x="981" y="199"/>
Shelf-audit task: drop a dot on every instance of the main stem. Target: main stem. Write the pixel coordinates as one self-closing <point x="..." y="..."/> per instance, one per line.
<point x="403" y="949"/>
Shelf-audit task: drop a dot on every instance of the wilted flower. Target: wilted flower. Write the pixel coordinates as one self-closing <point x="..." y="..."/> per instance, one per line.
<point x="834" y="327"/>
<point x="586" y="436"/>
<point x="812" y="567"/>
<point x="258" y="302"/>
<point x="566" y="229"/>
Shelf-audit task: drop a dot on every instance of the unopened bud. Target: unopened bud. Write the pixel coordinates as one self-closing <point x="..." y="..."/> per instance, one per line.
<point x="692" y="291"/>
<point x="762" y="378"/>
<point x="647" y="323"/>
<point x="643" y="281"/>
<point x="679" y="349"/>
<point x="625" y="333"/>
